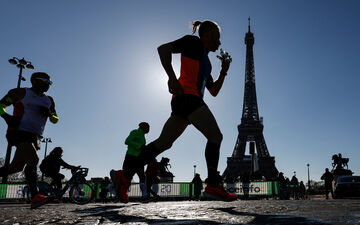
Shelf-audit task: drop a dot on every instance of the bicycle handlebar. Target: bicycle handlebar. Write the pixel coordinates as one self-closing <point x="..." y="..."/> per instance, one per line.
<point x="80" y="170"/>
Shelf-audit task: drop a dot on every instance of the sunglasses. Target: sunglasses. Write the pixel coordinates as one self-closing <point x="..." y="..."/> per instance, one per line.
<point x="45" y="80"/>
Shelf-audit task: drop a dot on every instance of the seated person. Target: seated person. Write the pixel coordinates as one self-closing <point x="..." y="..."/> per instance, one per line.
<point x="50" y="166"/>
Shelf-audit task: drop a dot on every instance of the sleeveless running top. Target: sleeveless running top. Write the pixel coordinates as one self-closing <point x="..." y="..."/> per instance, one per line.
<point x="195" y="65"/>
<point x="28" y="110"/>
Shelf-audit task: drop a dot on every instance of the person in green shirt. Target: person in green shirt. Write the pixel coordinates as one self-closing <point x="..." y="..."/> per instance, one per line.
<point x="135" y="142"/>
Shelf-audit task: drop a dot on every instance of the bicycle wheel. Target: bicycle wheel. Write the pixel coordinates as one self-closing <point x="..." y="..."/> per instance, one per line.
<point x="81" y="193"/>
<point x="43" y="188"/>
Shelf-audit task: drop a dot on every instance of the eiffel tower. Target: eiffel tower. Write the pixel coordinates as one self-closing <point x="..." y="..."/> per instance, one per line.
<point x="259" y="164"/>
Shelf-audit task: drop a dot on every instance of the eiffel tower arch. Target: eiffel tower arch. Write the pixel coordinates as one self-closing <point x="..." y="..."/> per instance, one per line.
<point x="259" y="163"/>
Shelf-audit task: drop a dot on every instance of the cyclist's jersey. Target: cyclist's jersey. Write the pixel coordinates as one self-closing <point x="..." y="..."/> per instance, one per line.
<point x="51" y="164"/>
<point x="195" y="65"/>
<point x="28" y="110"/>
<point x="135" y="141"/>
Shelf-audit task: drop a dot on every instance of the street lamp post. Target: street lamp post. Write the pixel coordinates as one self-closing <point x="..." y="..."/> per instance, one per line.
<point x="194" y="170"/>
<point x="308" y="165"/>
<point x="46" y="141"/>
<point x="21" y="64"/>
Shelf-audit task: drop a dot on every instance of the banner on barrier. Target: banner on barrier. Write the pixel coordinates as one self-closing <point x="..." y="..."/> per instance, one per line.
<point x="164" y="189"/>
<point x="17" y="191"/>
<point x="254" y="188"/>
<point x="8" y="191"/>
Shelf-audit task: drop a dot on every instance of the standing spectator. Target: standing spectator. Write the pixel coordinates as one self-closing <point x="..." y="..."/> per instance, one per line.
<point x="104" y="189"/>
<point x="295" y="185"/>
<point x="328" y="178"/>
<point x="245" y="180"/>
<point x="152" y="175"/>
<point x="288" y="188"/>
<point x="198" y="186"/>
<point x="282" y="186"/>
<point x="302" y="190"/>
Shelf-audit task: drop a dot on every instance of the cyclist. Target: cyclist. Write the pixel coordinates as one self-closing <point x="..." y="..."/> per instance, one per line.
<point x="50" y="167"/>
<point x="25" y="127"/>
<point x="135" y="142"/>
<point x="188" y="106"/>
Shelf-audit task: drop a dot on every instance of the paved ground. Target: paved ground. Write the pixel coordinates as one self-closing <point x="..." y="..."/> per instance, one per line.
<point x="344" y="211"/>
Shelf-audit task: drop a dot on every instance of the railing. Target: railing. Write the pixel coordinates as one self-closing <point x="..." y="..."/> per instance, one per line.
<point x="166" y="190"/>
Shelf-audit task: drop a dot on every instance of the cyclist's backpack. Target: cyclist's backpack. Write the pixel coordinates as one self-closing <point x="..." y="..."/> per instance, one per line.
<point x="44" y="166"/>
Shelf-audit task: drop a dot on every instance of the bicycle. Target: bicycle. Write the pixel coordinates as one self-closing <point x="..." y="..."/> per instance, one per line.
<point x="80" y="191"/>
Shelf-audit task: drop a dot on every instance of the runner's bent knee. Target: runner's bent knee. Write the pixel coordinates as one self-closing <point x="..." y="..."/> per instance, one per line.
<point x="206" y="123"/>
<point x="217" y="137"/>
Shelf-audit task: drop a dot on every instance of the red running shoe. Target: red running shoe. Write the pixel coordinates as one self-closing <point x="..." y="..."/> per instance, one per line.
<point x="219" y="193"/>
<point x="122" y="184"/>
<point x="38" y="200"/>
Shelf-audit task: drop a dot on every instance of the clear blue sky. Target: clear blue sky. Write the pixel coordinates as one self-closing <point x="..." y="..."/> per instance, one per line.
<point x="107" y="76"/>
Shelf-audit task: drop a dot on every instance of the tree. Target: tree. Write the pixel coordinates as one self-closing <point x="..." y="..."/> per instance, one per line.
<point x="316" y="187"/>
<point x="16" y="177"/>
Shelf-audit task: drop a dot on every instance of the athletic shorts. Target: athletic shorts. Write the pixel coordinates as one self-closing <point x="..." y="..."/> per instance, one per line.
<point x="16" y="137"/>
<point x="184" y="105"/>
<point x="132" y="162"/>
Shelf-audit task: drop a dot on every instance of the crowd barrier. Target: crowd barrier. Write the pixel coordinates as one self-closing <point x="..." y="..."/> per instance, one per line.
<point x="257" y="189"/>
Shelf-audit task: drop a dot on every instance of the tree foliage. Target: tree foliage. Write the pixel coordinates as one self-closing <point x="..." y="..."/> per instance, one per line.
<point x="17" y="177"/>
<point x="317" y="187"/>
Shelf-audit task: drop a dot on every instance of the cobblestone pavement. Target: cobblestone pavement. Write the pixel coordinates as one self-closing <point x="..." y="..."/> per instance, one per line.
<point x="345" y="211"/>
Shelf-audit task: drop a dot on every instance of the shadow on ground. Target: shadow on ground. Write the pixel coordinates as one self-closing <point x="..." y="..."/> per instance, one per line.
<point x="271" y="219"/>
<point x="111" y="213"/>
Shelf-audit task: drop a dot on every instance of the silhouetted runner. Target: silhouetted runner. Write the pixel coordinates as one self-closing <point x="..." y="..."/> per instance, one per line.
<point x="25" y="127"/>
<point x="187" y="104"/>
<point x="135" y="142"/>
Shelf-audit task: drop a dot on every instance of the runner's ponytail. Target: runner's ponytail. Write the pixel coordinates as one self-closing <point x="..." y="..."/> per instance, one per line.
<point x="195" y="25"/>
<point x="203" y="26"/>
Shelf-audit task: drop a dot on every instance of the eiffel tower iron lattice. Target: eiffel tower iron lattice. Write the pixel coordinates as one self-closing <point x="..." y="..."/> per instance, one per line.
<point x="259" y="164"/>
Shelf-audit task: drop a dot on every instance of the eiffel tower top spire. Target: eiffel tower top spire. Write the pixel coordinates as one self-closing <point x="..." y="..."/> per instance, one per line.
<point x="249" y="37"/>
<point x="250" y="108"/>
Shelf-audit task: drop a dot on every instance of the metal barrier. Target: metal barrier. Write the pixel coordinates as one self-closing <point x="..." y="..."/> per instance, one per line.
<point x="270" y="188"/>
<point x="12" y="191"/>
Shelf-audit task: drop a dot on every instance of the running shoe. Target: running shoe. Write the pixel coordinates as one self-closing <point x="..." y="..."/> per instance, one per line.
<point x="219" y="193"/>
<point x="146" y="199"/>
<point x="38" y="201"/>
